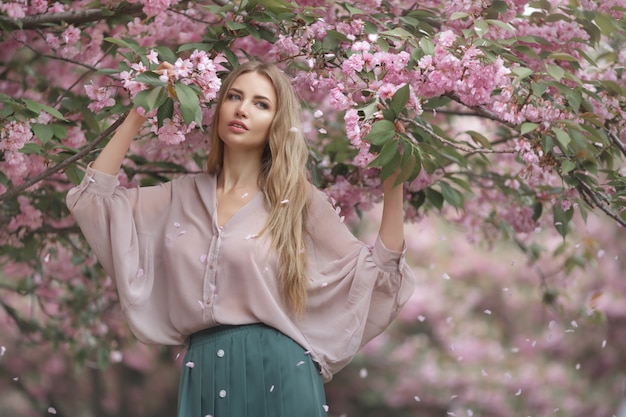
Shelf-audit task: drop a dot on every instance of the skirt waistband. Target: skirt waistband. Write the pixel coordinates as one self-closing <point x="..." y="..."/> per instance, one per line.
<point x="224" y="330"/>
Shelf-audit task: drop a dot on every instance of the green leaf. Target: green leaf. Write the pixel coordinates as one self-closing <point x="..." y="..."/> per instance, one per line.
<point x="562" y="218"/>
<point x="31" y="148"/>
<point x="166" y="54"/>
<point x="410" y="165"/>
<point x="235" y="25"/>
<point x="189" y="104"/>
<point x="522" y="72"/>
<point x="567" y="166"/>
<point x="390" y="167"/>
<point x="352" y="10"/>
<point x="459" y="15"/>
<point x="555" y="71"/>
<point x="74" y="174"/>
<point x="381" y="132"/>
<point x="369" y="109"/>
<point x="481" y="27"/>
<point x="479" y="138"/>
<point x="39" y="107"/>
<point x="528" y="127"/>
<point x="562" y="137"/>
<point x="151" y="99"/>
<point x="427" y="46"/>
<point x="165" y="111"/>
<point x="502" y="25"/>
<point x="43" y="132"/>
<point x="150" y="78"/>
<point x="386" y="154"/>
<point x="400" y="98"/>
<point x="435" y="197"/>
<point x="451" y="195"/>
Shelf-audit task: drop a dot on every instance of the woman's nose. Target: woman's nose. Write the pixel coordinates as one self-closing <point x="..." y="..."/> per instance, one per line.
<point x="241" y="110"/>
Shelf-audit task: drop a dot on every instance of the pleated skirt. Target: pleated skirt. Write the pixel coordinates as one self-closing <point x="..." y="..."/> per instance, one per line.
<point x="249" y="371"/>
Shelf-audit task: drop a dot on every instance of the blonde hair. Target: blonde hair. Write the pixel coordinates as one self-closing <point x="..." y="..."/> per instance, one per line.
<point x="283" y="179"/>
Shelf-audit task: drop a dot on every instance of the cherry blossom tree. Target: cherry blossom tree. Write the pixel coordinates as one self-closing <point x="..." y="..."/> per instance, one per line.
<point x="504" y="117"/>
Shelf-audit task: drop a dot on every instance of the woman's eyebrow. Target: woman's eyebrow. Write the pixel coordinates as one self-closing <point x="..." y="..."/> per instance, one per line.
<point x="258" y="97"/>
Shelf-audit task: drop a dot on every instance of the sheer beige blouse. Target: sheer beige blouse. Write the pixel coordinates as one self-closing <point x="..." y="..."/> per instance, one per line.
<point x="178" y="272"/>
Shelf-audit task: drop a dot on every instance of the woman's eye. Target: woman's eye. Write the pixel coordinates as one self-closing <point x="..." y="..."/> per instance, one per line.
<point x="263" y="105"/>
<point x="233" y="96"/>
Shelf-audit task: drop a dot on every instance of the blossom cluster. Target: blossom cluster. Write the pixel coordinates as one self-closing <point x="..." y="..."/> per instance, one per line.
<point x="198" y="69"/>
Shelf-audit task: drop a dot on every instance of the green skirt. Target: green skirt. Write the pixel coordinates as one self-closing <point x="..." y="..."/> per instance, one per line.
<point x="249" y="371"/>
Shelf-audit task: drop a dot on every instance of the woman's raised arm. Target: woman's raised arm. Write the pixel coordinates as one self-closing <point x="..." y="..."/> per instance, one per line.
<point x="392" y="222"/>
<point x="111" y="157"/>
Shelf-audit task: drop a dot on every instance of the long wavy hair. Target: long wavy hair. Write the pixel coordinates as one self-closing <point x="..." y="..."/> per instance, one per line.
<point x="283" y="179"/>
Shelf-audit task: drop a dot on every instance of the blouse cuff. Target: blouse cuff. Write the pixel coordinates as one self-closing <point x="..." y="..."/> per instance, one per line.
<point x="386" y="259"/>
<point x="98" y="182"/>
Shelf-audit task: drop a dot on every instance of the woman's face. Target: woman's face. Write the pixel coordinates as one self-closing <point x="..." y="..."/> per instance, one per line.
<point x="247" y="112"/>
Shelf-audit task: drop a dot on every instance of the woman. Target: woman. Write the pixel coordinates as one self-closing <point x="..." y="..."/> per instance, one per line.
<point x="248" y="264"/>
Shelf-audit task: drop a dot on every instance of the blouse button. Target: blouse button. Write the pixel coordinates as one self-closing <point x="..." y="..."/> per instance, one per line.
<point x="220" y="353"/>
<point x="222" y="393"/>
<point x="211" y="265"/>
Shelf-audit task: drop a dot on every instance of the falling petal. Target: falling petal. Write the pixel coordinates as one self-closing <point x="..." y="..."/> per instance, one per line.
<point x="603" y="344"/>
<point x="322" y="131"/>
<point x="176" y="225"/>
<point x="363" y="373"/>
<point x="17" y="378"/>
<point x="488" y="312"/>
<point x="3" y="350"/>
<point x="190" y="364"/>
<point x="446" y="276"/>
<point x="318" y="113"/>
<point x="47" y="258"/>
<point x="470" y="412"/>
<point x="421" y="318"/>
<point x="300" y="363"/>
<point x="577" y="366"/>
<point x="203" y="259"/>
<point x="139" y="273"/>
<point x="293" y="129"/>
<point x="284" y="201"/>
<point x="182" y="232"/>
<point x="251" y="236"/>
<point x="483" y="372"/>
<point x="416" y="398"/>
<point x="326" y="408"/>
<point x="272" y="388"/>
<point x="324" y="284"/>
<point x="244" y="195"/>
<point x="202" y="306"/>
<point x="519" y="392"/>
<point x="52" y="410"/>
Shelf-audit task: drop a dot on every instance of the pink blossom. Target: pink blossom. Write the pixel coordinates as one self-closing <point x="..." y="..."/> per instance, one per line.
<point x="153" y="57"/>
<point x="15" y="11"/>
<point x="170" y="132"/>
<point x="14" y="135"/>
<point x="71" y="35"/>
<point x="101" y="96"/>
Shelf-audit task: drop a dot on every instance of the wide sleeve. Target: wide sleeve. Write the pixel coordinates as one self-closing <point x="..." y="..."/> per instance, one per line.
<point x="356" y="290"/>
<point x="119" y="224"/>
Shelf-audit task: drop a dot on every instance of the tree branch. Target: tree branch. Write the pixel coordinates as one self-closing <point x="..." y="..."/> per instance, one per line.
<point x="587" y="194"/>
<point x="65" y="163"/>
<point x="72" y="16"/>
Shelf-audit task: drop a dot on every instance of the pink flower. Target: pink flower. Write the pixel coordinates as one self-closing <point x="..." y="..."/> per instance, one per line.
<point x="153" y="57"/>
